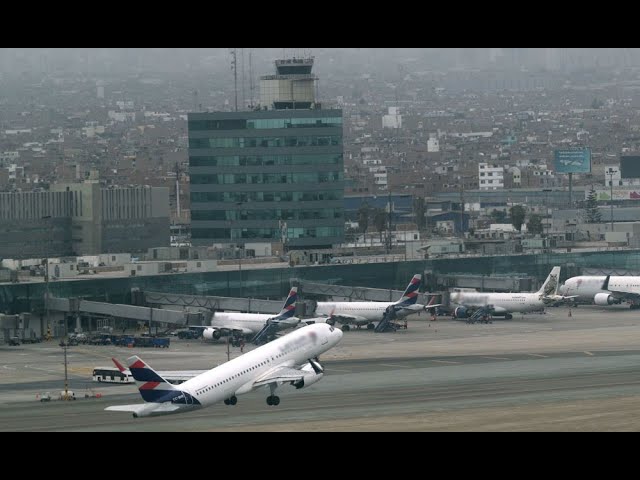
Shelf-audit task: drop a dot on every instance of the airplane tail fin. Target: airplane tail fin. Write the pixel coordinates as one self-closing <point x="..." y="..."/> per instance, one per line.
<point x="550" y="285"/>
<point x="410" y="295"/>
<point x="152" y="386"/>
<point x="289" y="307"/>
<point x="119" y="366"/>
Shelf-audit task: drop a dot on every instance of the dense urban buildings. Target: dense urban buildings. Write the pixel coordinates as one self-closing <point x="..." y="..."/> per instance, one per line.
<point x="81" y="219"/>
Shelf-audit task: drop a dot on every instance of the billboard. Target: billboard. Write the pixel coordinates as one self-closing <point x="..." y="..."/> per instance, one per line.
<point x="573" y="160"/>
<point x="630" y="166"/>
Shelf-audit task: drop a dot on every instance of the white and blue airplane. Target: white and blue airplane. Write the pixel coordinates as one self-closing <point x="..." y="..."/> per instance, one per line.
<point x="365" y="313"/>
<point x="237" y="323"/>
<point x="291" y="359"/>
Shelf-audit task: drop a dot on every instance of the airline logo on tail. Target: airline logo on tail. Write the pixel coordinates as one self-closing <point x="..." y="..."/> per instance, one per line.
<point x="289" y="305"/>
<point x="153" y="387"/>
<point x="410" y="295"/>
<point x="550" y="285"/>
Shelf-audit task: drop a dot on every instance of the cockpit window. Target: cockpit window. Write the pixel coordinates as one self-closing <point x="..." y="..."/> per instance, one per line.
<point x="331" y="329"/>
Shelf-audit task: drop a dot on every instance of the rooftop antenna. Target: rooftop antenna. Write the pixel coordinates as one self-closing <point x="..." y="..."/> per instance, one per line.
<point x="244" y="102"/>
<point x="235" y="75"/>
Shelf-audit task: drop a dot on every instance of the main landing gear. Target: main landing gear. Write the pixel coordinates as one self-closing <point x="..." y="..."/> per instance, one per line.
<point x="273" y="400"/>
<point x="231" y="401"/>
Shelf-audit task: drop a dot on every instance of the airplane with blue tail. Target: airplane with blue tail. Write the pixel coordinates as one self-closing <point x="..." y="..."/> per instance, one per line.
<point x="291" y="359"/>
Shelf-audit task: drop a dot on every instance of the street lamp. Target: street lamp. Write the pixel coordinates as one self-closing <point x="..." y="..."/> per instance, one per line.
<point x="610" y="173"/>
<point x="46" y="279"/>
<point x="546" y="208"/>
<point x="65" y="395"/>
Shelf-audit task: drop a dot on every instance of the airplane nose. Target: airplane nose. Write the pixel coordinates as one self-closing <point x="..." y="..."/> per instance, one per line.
<point x="562" y="289"/>
<point x="338" y="333"/>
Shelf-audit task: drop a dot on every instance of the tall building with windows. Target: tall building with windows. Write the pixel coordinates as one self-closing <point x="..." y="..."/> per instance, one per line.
<point x="274" y="174"/>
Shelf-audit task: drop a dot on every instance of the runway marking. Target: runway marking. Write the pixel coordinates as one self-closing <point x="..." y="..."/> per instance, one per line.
<point x="8" y="367"/>
<point x="394" y="365"/>
<point x="538" y="355"/>
<point x="589" y="353"/>
<point x="497" y="358"/>
<point x="445" y="361"/>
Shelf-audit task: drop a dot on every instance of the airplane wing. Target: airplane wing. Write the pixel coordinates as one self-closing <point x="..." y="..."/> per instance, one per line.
<point x="126" y="408"/>
<point x="166" y="407"/>
<point x="279" y="374"/>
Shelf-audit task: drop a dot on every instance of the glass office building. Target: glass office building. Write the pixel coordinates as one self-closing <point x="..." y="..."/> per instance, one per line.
<point x="252" y="171"/>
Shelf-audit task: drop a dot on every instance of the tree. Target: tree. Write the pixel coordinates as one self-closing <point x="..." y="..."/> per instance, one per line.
<point x="517" y="213"/>
<point x="363" y="217"/>
<point x="380" y="220"/>
<point x="535" y="224"/>
<point x="498" y="216"/>
<point x="591" y="212"/>
<point x="419" y="211"/>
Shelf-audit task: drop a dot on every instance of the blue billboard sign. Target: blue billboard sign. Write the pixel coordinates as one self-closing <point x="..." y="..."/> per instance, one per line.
<point x="573" y="160"/>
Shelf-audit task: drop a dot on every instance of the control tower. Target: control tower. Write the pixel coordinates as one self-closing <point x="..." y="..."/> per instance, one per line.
<point x="292" y="87"/>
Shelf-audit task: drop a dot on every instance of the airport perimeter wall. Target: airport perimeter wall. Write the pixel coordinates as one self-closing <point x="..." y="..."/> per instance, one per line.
<point x="274" y="283"/>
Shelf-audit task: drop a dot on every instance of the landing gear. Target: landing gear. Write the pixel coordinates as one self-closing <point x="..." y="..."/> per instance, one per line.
<point x="231" y="401"/>
<point x="370" y="326"/>
<point x="273" y="400"/>
<point x="508" y="316"/>
<point x="346" y="328"/>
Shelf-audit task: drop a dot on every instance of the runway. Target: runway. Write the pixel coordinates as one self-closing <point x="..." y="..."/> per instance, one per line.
<point x="565" y="391"/>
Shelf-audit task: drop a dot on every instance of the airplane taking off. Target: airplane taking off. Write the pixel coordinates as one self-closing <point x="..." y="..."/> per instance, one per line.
<point x="504" y="304"/>
<point x="604" y="290"/>
<point x="236" y="323"/>
<point x="365" y="313"/>
<point x="175" y="377"/>
<point x="291" y="359"/>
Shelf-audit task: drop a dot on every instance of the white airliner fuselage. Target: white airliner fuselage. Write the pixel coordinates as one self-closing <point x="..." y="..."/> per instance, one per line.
<point x="502" y="303"/>
<point x="604" y="290"/>
<point x="248" y="323"/>
<point x="506" y="303"/>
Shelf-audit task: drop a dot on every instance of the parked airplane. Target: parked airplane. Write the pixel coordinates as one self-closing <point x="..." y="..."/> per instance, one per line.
<point x="604" y="290"/>
<point x="365" y="313"/>
<point x="504" y="304"/>
<point x="237" y="324"/>
<point x="175" y="377"/>
<point x="291" y="359"/>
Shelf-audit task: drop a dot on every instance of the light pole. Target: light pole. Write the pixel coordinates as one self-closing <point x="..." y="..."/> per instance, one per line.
<point x="65" y="395"/>
<point x="546" y="208"/>
<point x="239" y="248"/>
<point x="610" y="173"/>
<point x="46" y="278"/>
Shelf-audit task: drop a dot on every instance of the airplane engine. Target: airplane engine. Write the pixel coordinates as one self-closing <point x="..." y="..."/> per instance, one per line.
<point x="307" y="380"/>
<point x="310" y="377"/>
<point x="604" y="299"/>
<point x="461" y="312"/>
<point x="211" y="334"/>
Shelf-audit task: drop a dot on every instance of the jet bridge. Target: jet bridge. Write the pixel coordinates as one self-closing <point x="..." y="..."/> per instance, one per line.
<point x="357" y="293"/>
<point x="214" y="303"/>
<point x="130" y="312"/>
